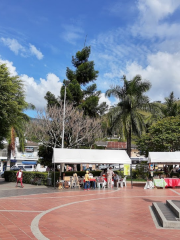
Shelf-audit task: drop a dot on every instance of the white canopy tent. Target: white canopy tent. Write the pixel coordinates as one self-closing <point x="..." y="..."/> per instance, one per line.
<point x="94" y="156"/>
<point x="167" y="158"/>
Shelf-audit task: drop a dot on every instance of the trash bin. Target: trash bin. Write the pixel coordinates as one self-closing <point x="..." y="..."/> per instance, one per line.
<point x="49" y="182"/>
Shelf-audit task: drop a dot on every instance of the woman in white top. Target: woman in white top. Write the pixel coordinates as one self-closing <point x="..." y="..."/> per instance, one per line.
<point x="19" y="176"/>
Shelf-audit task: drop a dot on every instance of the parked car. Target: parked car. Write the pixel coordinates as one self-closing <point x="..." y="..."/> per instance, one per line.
<point x="15" y="168"/>
<point x="2" y="174"/>
<point x="114" y="166"/>
<point x="102" y="167"/>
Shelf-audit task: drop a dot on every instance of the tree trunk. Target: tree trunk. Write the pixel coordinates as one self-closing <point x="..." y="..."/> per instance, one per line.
<point x="8" y="158"/>
<point x="61" y="170"/>
<point x="129" y="143"/>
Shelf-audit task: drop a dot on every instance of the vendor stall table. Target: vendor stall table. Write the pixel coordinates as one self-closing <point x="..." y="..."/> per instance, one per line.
<point x="159" y="183"/>
<point x="172" y="182"/>
<point x="92" y="180"/>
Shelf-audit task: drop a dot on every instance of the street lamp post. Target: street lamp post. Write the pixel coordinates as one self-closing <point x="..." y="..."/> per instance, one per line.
<point x="62" y="164"/>
<point x="64" y="116"/>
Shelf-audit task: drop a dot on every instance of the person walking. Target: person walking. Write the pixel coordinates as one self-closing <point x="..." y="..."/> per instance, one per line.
<point x="110" y="174"/>
<point x="87" y="183"/>
<point x="19" y="176"/>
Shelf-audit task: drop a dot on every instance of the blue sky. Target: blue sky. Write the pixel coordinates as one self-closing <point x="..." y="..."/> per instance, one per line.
<point x="38" y="39"/>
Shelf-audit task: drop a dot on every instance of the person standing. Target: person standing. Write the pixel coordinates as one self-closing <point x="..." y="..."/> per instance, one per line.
<point x="116" y="179"/>
<point x="110" y="174"/>
<point x="86" y="184"/>
<point x="90" y="167"/>
<point x="19" y="176"/>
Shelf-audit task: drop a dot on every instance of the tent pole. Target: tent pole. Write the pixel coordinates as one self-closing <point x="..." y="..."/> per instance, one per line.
<point x="54" y="174"/>
<point x="131" y="177"/>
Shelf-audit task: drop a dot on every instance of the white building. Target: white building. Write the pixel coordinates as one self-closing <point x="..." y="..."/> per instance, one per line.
<point x="28" y="159"/>
<point x="3" y="158"/>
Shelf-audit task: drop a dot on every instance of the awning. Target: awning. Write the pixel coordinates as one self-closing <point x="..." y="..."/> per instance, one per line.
<point x="13" y="160"/>
<point x="29" y="162"/>
<point x="164" y="157"/>
<point x="82" y="156"/>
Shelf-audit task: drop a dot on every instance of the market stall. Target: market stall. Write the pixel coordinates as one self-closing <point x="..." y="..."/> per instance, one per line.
<point x="165" y="158"/>
<point x="93" y="156"/>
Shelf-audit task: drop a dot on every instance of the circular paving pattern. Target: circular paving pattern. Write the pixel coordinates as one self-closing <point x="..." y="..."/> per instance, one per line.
<point x="96" y="214"/>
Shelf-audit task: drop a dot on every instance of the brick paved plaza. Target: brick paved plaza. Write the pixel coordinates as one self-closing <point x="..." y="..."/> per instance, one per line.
<point x="38" y="212"/>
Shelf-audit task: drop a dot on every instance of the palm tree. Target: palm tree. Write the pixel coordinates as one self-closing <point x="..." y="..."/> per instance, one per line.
<point x="129" y="114"/>
<point x="171" y="107"/>
<point x="17" y="130"/>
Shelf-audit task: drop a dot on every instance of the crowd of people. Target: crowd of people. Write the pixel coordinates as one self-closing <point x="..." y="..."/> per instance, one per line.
<point x="109" y="175"/>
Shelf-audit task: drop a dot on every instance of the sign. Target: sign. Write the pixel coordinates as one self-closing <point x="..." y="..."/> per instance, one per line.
<point x="29" y="149"/>
<point x="126" y="169"/>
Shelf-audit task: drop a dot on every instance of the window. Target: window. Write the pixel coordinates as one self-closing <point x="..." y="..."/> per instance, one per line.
<point x="28" y="167"/>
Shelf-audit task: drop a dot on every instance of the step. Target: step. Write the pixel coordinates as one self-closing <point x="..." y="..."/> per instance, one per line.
<point x="164" y="214"/>
<point x="174" y="205"/>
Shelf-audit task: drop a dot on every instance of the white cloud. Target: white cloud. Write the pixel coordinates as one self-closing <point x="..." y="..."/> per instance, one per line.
<point x="13" y="45"/>
<point x="11" y="68"/>
<point x="117" y="52"/>
<point x="35" y="51"/>
<point x="163" y="71"/>
<point x="35" y="92"/>
<point x="103" y="98"/>
<point x="72" y="33"/>
<point x="156" y="10"/>
<point x="152" y="19"/>
<point x="17" y="48"/>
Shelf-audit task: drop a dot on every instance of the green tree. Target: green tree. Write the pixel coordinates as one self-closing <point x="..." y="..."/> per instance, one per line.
<point x="128" y="115"/>
<point x="12" y="105"/>
<point x="163" y="136"/>
<point x="45" y="154"/>
<point x="16" y="130"/>
<point x="90" y="103"/>
<point x="51" y="99"/>
<point x="170" y="107"/>
<point x="74" y="94"/>
<point x="85" y="71"/>
<point x="12" y="101"/>
<point x="85" y="98"/>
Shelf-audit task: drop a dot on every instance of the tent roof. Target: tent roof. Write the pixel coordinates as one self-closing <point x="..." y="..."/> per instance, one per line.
<point x="90" y="156"/>
<point x="164" y="157"/>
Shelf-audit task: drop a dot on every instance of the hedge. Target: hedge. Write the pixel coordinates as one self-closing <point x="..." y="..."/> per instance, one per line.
<point x="174" y="174"/>
<point x="10" y="176"/>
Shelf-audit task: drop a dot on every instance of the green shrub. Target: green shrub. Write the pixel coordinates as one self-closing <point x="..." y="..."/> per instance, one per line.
<point x="57" y="177"/>
<point x="120" y="173"/>
<point x="174" y="174"/>
<point x="10" y="176"/>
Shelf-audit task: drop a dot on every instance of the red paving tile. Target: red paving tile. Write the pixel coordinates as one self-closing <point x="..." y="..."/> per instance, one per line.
<point x="100" y="214"/>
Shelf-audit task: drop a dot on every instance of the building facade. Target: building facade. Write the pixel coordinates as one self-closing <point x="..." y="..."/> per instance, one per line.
<point x="27" y="159"/>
